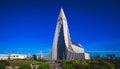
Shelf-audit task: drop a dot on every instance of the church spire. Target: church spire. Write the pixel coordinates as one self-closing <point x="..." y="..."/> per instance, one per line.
<point x="63" y="47"/>
<point x="61" y="15"/>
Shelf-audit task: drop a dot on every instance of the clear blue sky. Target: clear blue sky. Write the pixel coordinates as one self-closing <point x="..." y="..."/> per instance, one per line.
<point x="27" y="26"/>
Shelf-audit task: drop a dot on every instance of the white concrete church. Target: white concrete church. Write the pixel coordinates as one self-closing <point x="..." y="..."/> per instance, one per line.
<point x="63" y="47"/>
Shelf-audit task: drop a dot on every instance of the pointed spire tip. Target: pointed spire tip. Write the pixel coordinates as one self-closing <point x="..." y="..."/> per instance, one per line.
<point x="62" y="15"/>
<point x="61" y="10"/>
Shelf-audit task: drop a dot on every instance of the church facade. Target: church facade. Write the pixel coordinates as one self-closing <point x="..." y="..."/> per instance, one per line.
<point x="63" y="47"/>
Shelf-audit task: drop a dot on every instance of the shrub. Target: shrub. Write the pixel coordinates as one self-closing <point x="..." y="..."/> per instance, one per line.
<point x="87" y="64"/>
<point x="2" y="66"/>
<point x="3" y="63"/>
<point x="67" y="66"/>
<point x="26" y="66"/>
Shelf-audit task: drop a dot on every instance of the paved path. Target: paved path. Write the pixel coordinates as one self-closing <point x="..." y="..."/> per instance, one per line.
<point x="55" y="65"/>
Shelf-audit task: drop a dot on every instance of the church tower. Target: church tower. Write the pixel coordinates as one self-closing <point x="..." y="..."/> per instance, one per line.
<point x="63" y="47"/>
<point x="62" y="37"/>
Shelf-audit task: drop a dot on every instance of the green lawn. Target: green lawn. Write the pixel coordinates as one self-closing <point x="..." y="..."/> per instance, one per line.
<point x="24" y="64"/>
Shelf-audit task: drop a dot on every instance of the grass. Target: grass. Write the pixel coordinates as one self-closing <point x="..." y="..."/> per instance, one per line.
<point x="24" y="64"/>
<point x="66" y="64"/>
<point x="90" y="64"/>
